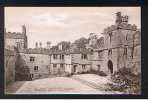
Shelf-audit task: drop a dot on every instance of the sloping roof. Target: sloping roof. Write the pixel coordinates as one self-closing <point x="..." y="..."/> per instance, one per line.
<point x="36" y="51"/>
<point x="78" y="51"/>
<point x="14" y="35"/>
<point x="50" y="52"/>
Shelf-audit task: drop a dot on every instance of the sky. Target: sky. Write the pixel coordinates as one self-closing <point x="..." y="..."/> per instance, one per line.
<point x="56" y="24"/>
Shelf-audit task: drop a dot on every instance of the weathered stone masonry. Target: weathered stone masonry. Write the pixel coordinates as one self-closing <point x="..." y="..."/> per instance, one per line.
<point x="119" y="46"/>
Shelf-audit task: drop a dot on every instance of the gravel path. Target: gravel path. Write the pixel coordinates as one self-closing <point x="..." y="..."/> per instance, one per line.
<point x="59" y="85"/>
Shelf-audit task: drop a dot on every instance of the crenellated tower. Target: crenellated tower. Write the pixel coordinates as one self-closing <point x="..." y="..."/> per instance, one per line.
<point x="25" y="37"/>
<point x="121" y="19"/>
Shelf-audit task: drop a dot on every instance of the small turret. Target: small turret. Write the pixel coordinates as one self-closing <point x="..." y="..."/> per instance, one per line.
<point x="40" y="44"/>
<point x="48" y="44"/>
<point x="121" y="19"/>
<point x="25" y="37"/>
<point x="36" y="45"/>
<point x="24" y="29"/>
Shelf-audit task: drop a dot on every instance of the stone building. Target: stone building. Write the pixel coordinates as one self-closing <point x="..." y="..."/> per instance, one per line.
<point x="80" y="60"/>
<point x="16" y="39"/>
<point x="37" y="60"/>
<point x="70" y="61"/>
<point x="9" y="62"/>
<point x="119" y="46"/>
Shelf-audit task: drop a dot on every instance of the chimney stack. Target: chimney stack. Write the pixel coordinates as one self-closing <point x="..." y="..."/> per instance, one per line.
<point x="36" y="45"/>
<point x="24" y="29"/>
<point x="40" y="44"/>
<point x="48" y="44"/>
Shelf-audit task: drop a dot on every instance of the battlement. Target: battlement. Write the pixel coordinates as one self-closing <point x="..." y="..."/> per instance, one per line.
<point x="120" y="26"/>
<point x="14" y="33"/>
<point x="121" y="23"/>
<point x="121" y="19"/>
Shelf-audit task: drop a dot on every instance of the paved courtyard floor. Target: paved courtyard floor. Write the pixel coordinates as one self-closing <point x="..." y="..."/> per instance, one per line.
<point x="76" y="84"/>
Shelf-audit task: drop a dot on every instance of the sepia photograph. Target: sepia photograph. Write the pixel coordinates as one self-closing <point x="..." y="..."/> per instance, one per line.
<point x="72" y="50"/>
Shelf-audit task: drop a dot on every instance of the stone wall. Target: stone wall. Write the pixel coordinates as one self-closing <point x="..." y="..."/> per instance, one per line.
<point x="9" y="63"/>
<point x="42" y="61"/>
<point x="11" y="43"/>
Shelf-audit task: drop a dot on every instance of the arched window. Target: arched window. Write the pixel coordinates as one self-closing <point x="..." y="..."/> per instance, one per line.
<point x="110" y="52"/>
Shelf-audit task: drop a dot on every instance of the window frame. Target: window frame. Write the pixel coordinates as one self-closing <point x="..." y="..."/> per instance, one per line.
<point x="84" y="56"/>
<point x="36" y="68"/>
<point x="32" y="59"/>
<point x="83" y="66"/>
<point x="54" y="65"/>
<point x="55" y="56"/>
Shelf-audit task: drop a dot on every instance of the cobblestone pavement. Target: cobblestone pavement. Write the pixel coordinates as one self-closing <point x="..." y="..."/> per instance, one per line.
<point x="77" y="84"/>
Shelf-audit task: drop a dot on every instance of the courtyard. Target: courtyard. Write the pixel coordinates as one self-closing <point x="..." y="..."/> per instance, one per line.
<point x="76" y="84"/>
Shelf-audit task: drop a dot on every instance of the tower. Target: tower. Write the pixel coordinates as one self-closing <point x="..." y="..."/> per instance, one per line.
<point x="118" y="18"/>
<point x="36" y="45"/>
<point x="25" y="37"/>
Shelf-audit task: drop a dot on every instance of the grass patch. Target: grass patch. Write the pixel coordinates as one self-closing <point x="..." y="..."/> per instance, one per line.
<point x="125" y="81"/>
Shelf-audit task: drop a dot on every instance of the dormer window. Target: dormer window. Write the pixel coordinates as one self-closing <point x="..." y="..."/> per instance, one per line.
<point x="62" y="57"/>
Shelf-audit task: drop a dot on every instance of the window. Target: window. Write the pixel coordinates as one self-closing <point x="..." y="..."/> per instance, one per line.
<point x="110" y="52"/>
<point x="98" y="67"/>
<point x="17" y="44"/>
<point x="47" y="67"/>
<point x="125" y="51"/>
<point x="55" y="56"/>
<point x="100" y="54"/>
<point x="84" y="56"/>
<point x="61" y="65"/>
<point x="31" y="75"/>
<point x="32" y="59"/>
<point x="126" y="37"/>
<point x="61" y="56"/>
<point x="83" y="66"/>
<point x="36" y="68"/>
<point x="54" y="65"/>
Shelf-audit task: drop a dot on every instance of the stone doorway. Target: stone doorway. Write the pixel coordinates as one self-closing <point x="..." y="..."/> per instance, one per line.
<point x="110" y="66"/>
<point x="74" y="68"/>
<point x="99" y="67"/>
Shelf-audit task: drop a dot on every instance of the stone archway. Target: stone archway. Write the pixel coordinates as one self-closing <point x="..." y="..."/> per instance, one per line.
<point x="110" y="66"/>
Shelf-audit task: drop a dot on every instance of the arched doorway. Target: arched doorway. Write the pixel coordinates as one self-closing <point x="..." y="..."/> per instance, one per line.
<point x="110" y="66"/>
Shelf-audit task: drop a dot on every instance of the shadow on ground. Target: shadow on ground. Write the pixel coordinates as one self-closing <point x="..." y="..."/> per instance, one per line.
<point x="12" y="88"/>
